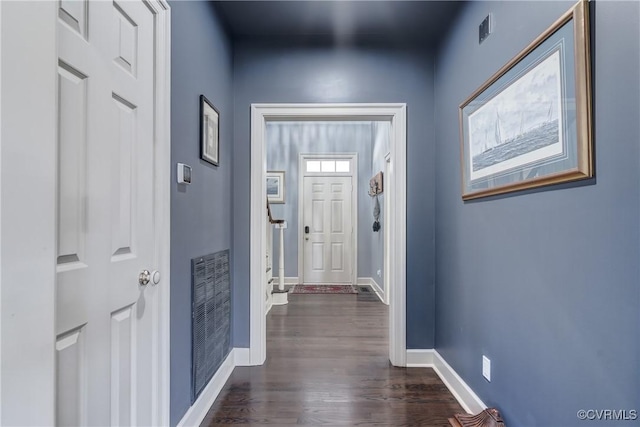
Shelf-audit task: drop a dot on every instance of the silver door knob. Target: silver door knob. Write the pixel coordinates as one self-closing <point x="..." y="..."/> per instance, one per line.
<point x="144" y="278"/>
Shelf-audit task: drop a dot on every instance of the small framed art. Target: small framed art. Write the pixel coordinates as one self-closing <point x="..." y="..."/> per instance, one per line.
<point x="209" y="132"/>
<point x="275" y="186"/>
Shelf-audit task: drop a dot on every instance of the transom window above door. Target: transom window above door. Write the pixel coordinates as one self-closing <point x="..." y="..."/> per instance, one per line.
<point x="328" y="165"/>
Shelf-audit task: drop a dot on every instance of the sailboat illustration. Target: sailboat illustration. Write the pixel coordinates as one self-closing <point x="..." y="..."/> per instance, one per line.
<point x="498" y="133"/>
<point x="520" y="132"/>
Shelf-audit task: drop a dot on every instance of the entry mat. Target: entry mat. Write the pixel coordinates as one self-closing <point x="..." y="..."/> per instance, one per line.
<point x="323" y="289"/>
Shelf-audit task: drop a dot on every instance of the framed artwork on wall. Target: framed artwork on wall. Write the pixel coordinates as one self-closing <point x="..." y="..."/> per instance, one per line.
<point x="275" y="186"/>
<point x="375" y="184"/>
<point x="530" y="124"/>
<point x="209" y="131"/>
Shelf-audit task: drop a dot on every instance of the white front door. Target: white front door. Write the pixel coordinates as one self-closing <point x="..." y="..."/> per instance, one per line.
<point x="327" y="229"/>
<point x="106" y="321"/>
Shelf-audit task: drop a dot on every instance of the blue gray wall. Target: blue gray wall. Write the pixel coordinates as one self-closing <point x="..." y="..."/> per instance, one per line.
<point x="545" y="283"/>
<point x="284" y="72"/>
<point x="285" y="142"/>
<point x="201" y="63"/>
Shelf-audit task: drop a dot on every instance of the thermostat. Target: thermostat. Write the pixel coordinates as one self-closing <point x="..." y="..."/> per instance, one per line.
<point x="184" y="174"/>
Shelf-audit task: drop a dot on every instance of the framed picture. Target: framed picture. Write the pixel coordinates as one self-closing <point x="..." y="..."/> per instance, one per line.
<point x="209" y="131"/>
<point x="375" y="184"/>
<point x="530" y="124"/>
<point x="275" y="186"/>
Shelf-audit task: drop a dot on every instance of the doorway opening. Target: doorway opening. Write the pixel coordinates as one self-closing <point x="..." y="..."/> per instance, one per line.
<point x="395" y="182"/>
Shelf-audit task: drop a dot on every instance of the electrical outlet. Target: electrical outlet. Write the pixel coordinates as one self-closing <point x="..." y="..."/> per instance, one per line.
<point x="486" y="368"/>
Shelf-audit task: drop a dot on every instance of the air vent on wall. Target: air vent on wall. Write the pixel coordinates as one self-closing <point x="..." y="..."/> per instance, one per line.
<point x="211" y="317"/>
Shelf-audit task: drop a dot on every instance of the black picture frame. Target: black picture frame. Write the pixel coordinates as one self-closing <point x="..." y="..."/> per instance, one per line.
<point x="209" y="132"/>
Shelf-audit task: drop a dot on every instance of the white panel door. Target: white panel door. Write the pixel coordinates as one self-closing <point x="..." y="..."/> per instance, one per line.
<point x="105" y="319"/>
<point x="328" y="244"/>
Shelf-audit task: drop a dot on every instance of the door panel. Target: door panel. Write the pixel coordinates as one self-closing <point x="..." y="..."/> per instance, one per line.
<point x="123" y="366"/>
<point x="106" y="233"/>
<point x="72" y="376"/>
<point x="337" y="257"/>
<point x="328" y="247"/>
<point x="317" y="256"/>
<point x="72" y="167"/>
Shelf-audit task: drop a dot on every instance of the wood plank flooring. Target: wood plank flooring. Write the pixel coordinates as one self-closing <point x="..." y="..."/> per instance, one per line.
<point x="327" y="365"/>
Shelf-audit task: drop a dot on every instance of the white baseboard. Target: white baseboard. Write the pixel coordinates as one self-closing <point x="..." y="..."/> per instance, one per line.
<point x="288" y="281"/>
<point x="242" y="356"/>
<point x="370" y="281"/>
<point x="280" y="298"/>
<point x="291" y="281"/>
<point x="462" y="392"/>
<point x="203" y="403"/>
<point x="467" y="398"/>
<point x="420" y="358"/>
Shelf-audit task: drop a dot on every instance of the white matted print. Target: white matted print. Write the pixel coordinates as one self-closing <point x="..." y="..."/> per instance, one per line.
<point x="521" y="124"/>
<point x="275" y="186"/>
<point x="209" y="131"/>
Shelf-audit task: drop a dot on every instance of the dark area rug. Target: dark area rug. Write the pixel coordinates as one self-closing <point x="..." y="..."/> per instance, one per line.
<point x="323" y="289"/>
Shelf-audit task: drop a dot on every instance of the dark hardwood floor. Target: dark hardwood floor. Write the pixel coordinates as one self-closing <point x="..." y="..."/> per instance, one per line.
<point x="327" y="364"/>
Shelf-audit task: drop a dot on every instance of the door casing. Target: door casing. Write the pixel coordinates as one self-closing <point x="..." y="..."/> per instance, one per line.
<point x="396" y="115"/>
<point x="28" y="177"/>
<point x="353" y="157"/>
<point x="387" y="237"/>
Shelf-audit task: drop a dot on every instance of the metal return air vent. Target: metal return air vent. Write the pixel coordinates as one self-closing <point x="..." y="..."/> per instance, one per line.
<point x="211" y="317"/>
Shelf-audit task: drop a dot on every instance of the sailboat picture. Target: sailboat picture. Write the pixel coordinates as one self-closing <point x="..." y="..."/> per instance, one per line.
<point x="530" y="124"/>
<point x="519" y="125"/>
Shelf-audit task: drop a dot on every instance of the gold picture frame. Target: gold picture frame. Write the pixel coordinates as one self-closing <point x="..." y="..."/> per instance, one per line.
<point x="530" y="124"/>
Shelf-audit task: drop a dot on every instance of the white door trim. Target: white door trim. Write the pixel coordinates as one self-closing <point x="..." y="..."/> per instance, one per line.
<point x="396" y="115"/>
<point x="386" y="237"/>
<point x="162" y="208"/>
<point x="28" y="210"/>
<point x="353" y="173"/>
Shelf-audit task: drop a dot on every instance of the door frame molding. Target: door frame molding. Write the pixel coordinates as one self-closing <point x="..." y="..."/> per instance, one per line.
<point x="386" y="214"/>
<point x="28" y="269"/>
<point x="28" y="212"/>
<point x="353" y="157"/>
<point x="396" y="115"/>
<point x="162" y="208"/>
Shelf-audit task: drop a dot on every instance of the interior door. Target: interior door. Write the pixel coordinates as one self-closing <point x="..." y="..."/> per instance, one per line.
<point x="105" y="320"/>
<point x="328" y="232"/>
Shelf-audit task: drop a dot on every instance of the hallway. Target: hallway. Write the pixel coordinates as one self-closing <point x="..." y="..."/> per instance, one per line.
<point x="327" y="364"/>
